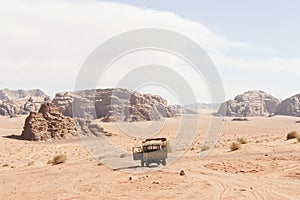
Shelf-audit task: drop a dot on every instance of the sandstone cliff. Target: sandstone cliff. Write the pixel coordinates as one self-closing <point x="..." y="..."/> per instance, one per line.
<point x="112" y="105"/>
<point x="250" y="104"/>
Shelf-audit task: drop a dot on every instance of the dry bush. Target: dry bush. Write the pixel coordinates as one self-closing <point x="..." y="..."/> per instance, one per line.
<point x="59" y="159"/>
<point x="235" y="146"/>
<point x="242" y="140"/>
<point x="123" y="155"/>
<point x="292" y="135"/>
<point x="298" y="137"/>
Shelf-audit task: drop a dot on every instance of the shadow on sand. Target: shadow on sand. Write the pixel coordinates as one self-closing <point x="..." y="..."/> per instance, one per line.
<point x="15" y="137"/>
<point x="134" y="167"/>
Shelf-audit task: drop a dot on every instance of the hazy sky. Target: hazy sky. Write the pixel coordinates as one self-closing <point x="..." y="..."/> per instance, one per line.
<point x="254" y="44"/>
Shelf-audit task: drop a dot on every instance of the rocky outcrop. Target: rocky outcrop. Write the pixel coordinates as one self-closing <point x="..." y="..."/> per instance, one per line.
<point x="179" y="110"/>
<point x="48" y="124"/>
<point x="112" y="105"/>
<point x="290" y="106"/>
<point x="250" y="104"/>
<point x="19" y="102"/>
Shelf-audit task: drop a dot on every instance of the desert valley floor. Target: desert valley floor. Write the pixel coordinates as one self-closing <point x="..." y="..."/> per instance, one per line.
<point x="266" y="167"/>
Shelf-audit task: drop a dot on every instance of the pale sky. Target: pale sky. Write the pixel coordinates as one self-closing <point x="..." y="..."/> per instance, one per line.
<point x="254" y="45"/>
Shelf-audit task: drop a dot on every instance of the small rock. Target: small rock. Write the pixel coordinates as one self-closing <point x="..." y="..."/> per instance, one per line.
<point x="271" y="115"/>
<point x="243" y="189"/>
<point x="240" y="119"/>
<point x="107" y="134"/>
<point x="133" y="178"/>
<point x="156" y="182"/>
<point x="182" y="173"/>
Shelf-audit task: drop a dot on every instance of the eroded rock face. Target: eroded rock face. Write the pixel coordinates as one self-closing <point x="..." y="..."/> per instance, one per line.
<point x="290" y="106"/>
<point x="178" y="110"/>
<point x="250" y="104"/>
<point x="48" y="124"/>
<point x="20" y="102"/>
<point x="112" y="105"/>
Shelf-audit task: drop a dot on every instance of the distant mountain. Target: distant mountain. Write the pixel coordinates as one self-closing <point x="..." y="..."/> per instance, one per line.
<point x="18" y="102"/>
<point x="289" y="106"/>
<point x="129" y="105"/>
<point x="178" y="110"/>
<point x="196" y="107"/>
<point x="250" y="104"/>
<point x="6" y="94"/>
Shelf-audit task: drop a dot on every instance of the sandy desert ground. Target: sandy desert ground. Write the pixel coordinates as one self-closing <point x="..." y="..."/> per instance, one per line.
<point x="267" y="167"/>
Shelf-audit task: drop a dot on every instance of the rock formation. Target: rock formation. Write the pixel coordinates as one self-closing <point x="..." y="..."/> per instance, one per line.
<point x="178" y="110"/>
<point x="250" y="104"/>
<point x="199" y="107"/>
<point x="112" y="105"/>
<point x="290" y="106"/>
<point x="48" y="124"/>
<point x="19" y="102"/>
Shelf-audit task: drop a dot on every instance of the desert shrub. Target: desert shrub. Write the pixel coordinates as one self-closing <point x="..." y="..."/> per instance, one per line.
<point x="235" y="146"/>
<point x="30" y="163"/>
<point x="242" y="140"/>
<point x="298" y="137"/>
<point x="59" y="159"/>
<point x="292" y="135"/>
<point x="5" y="165"/>
<point x="123" y="155"/>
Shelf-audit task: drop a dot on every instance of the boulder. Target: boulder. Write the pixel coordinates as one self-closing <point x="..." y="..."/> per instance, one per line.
<point x="290" y="106"/>
<point x="48" y="124"/>
<point x="250" y="104"/>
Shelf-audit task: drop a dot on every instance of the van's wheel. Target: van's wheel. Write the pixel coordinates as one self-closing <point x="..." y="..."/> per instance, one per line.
<point x="142" y="163"/>
<point x="164" y="162"/>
